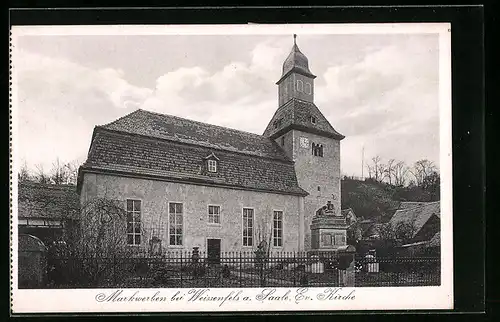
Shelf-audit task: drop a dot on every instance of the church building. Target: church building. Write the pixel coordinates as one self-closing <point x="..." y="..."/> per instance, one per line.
<point x="191" y="184"/>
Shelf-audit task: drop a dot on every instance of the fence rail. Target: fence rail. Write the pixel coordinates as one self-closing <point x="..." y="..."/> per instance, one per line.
<point x="239" y="269"/>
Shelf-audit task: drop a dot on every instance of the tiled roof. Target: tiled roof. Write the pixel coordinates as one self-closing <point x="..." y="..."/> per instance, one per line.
<point x="296" y="114"/>
<point x="182" y="130"/>
<point x="346" y="211"/>
<point x="435" y="240"/>
<point x="296" y="62"/>
<point x="410" y="204"/>
<point x="418" y="213"/>
<point x="50" y="201"/>
<point x="125" y="153"/>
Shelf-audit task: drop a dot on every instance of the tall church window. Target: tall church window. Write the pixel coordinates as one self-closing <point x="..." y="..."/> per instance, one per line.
<point x="175" y="219"/>
<point x="213" y="214"/>
<point x="133" y="222"/>
<point x="317" y="150"/>
<point x="308" y="88"/>
<point x="278" y="228"/>
<point x="282" y="141"/>
<point x="247" y="227"/>
<point x="300" y="86"/>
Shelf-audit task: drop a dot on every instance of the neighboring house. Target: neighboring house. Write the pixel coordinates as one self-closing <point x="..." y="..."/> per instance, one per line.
<point x="372" y="230"/>
<point x="217" y="188"/>
<point x="350" y="216"/>
<point x="422" y="217"/>
<point x="47" y="211"/>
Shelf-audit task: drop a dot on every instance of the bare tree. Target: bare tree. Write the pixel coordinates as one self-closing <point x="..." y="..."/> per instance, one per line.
<point x="375" y="170"/>
<point x="24" y="173"/>
<point x="40" y="175"/>
<point x="400" y="171"/>
<point x="402" y="232"/>
<point x="421" y="169"/>
<point x="388" y="170"/>
<point x="64" y="173"/>
<point x="264" y="234"/>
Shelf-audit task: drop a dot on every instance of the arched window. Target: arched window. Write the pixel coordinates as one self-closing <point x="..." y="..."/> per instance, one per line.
<point x="300" y="86"/>
<point x="317" y="150"/>
<point x="308" y="88"/>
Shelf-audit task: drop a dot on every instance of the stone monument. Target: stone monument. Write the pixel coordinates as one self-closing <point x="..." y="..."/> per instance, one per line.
<point x="328" y="229"/>
<point x="329" y="239"/>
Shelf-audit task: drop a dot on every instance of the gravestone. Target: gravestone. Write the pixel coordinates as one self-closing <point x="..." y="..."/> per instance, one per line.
<point x="32" y="262"/>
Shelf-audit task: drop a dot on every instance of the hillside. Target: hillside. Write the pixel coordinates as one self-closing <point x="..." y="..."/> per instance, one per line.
<point x="377" y="200"/>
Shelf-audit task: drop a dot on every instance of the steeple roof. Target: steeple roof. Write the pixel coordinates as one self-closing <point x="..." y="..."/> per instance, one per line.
<point x="297" y="114"/>
<point x="296" y="62"/>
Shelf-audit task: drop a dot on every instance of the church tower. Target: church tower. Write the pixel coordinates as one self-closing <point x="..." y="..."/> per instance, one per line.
<point x="307" y="137"/>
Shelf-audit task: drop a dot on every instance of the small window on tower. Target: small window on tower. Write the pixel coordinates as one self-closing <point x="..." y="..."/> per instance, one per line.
<point x="317" y="150"/>
<point x="282" y="141"/>
<point x="308" y="88"/>
<point x="300" y="86"/>
<point x="313" y="120"/>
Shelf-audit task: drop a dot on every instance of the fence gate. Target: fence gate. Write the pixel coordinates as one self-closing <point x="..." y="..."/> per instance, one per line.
<point x="32" y="262"/>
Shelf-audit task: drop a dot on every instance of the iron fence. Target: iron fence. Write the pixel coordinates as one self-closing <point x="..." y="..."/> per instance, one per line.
<point x="238" y="269"/>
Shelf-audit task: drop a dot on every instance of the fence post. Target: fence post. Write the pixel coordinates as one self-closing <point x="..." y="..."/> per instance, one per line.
<point x="114" y="269"/>
<point x="181" y="270"/>
<point x="295" y="268"/>
<point x="240" y="267"/>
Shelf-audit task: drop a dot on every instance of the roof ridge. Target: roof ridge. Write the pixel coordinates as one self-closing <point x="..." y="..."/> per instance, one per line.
<point x="120" y="118"/>
<point x="282" y="157"/>
<point x="48" y="185"/>
<point x="419" y="204"/>
<point x="199" y="122"/>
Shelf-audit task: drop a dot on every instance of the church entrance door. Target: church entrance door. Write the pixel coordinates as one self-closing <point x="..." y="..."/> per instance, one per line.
<point x="213" y="251"/>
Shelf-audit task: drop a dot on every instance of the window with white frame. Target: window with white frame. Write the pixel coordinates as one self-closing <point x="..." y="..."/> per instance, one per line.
<point x="175" y="218"/>
<point x="214" y="214"/>
<point x="247" y="227"/>
<point x="133" y="222"/>
<point x="300" y="85"/>
<point x="308" y="88"/>
<point x="212" y="166"/>
<point x="278" y="228"/>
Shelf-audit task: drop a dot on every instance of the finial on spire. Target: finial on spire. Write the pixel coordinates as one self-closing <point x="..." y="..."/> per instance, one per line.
<point x="294" y="39"/>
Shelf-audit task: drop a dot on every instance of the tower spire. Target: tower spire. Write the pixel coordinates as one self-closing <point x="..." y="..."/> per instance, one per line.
<point x="295" y="39"/>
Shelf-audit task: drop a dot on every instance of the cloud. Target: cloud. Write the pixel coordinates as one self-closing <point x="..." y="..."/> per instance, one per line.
<point x="239" y="95"/>
<point x="384" y="100"/>
<point x="59" y="103"/>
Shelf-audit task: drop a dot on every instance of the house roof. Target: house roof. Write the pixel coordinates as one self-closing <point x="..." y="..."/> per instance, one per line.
<point x="346" y="211"/>
<point x="416" y="213"/>
<point x="296" y="114"/>
<point x="126" y="153"/>
<point x="435" y="240"/>
<point x="410" y="204"/>
<point x="49" y="201"/>
<point x="173" y="128"/>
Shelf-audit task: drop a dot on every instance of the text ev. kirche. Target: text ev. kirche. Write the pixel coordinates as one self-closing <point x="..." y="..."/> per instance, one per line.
<point x="243" y="295"/>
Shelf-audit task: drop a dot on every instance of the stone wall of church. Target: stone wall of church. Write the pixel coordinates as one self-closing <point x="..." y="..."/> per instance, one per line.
<point x="156" y="195"/>
<point x="320" y="176"/>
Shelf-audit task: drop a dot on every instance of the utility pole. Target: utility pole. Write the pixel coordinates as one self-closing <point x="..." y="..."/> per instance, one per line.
<point x="362" y="162"/>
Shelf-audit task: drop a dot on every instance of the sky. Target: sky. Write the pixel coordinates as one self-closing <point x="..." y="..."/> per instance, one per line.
<point x="379" y="90"/>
